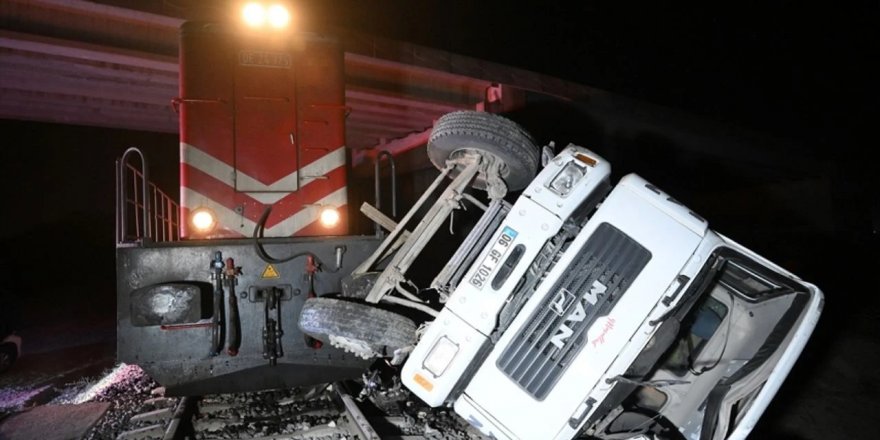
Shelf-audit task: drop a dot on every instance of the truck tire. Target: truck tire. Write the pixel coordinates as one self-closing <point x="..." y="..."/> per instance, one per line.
<point x="8" y="354"/>
<point x="359" y="328"/>
<point x="485" y="133"/>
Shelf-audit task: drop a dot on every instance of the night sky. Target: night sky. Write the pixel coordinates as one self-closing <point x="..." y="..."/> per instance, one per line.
<point x="782" y="67"/>
<point x="796" y="72"/>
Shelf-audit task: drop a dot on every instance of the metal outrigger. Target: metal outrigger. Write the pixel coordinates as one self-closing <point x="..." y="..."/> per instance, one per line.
<point x="413" y="243"/>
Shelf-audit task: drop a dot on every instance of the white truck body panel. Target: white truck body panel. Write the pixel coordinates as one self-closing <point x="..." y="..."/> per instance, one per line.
<point x="434" y="387"/>
<point x="472" y="310"/>
<point x="476" y="300"/>
<point x="565" y="350"/>
<point x="783" y="366"/>
<point x="671" y="245"/>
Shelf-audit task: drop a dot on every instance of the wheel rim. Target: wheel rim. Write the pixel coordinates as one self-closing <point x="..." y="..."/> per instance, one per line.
<point x="481" y="179"/>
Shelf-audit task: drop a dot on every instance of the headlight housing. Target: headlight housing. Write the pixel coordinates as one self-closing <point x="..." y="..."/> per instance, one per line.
<point x="566" y="179"/>
<point x="253" y="14"/>
<point x="329" y="217"/>
<point x="203" y="220"/>
<point x="258" y="15"/>
<point x="440" y="356"/>
<point x="278" y="16"/>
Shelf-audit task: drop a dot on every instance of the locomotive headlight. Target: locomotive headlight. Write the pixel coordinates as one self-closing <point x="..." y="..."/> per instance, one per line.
<point x="258" y="15"/>
<point x="203" y="220"/>
<point x="278" y="16"/>
<point x="329" y="217"/>
<point x="566" y="179"/>
<point x="254" y="14"/>
<point x="440" y="356"/>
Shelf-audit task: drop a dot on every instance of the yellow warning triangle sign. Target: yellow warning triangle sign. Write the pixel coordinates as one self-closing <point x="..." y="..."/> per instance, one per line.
<point x="270" y="272"/>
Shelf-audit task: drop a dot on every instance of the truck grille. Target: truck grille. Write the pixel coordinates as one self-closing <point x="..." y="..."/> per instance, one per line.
<point x="557" y="331"/>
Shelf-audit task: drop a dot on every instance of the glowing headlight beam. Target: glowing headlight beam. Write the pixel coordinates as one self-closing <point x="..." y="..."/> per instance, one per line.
<point x="254" y="14"/>
<point x="329" y="217"/>
<point x="203" y="220"/>
<point x="278" y="16"/>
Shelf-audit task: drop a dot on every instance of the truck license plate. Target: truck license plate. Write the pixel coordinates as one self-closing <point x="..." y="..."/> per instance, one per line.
<point x="493" y="258"/>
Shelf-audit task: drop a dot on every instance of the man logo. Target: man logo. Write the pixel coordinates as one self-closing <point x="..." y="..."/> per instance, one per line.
<point x="563" y="299"/>
<point x="560" y="304"/>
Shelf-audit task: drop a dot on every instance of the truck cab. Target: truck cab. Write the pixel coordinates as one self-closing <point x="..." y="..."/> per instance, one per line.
<point x="614" y="315"/>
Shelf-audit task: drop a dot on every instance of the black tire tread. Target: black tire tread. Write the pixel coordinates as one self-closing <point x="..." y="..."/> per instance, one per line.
<point x="494" y="133"/>
<point x="328" y="316"/>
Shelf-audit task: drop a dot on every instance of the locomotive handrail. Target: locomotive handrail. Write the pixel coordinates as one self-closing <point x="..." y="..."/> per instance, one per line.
<point x="122" y="196"/>
<point x="156" y="216"/>
<point x="377" y="176"/>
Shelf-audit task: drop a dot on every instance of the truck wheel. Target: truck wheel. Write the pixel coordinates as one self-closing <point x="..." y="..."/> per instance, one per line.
<point x="358" y="328"/>
<point x="8" y="354"/>
<point x="487" y="134"/>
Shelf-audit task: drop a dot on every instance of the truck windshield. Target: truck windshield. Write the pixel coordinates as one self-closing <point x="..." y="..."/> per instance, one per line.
<point x="738" y="279"/>
<point x="709" y="315"/>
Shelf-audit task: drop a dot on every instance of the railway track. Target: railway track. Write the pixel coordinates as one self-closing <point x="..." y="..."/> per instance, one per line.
<point x="317" y="413"/>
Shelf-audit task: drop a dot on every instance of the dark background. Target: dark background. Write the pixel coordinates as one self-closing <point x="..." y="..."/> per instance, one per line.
<point x="803" y="75"/>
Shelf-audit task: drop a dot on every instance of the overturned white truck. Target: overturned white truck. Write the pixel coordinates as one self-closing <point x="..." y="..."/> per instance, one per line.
<point x="579" y="310"/>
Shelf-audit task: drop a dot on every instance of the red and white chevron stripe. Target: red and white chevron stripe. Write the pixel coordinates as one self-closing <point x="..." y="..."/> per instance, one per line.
<point x="209" y="182"/>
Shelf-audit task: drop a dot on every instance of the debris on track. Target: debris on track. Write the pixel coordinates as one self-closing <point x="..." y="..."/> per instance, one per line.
<point x="367" y="409"/>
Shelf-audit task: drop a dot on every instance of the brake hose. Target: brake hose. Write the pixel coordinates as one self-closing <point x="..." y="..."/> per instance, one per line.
<point x="261" y="251"/>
